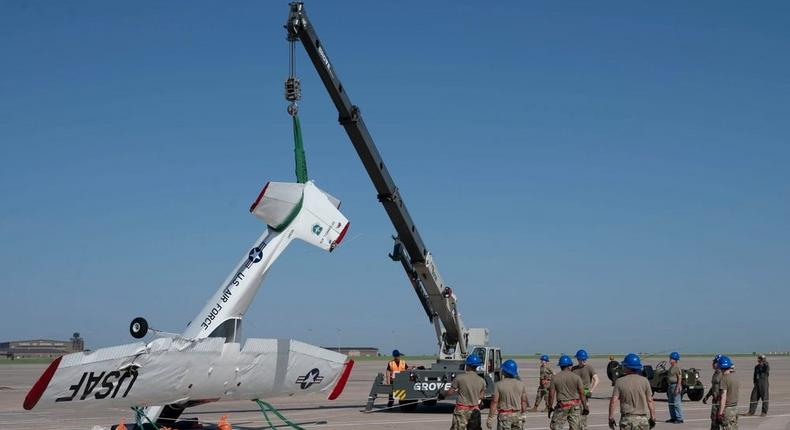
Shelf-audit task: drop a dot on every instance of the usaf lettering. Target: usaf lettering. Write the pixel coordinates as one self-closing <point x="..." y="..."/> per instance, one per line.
<point x="108" y="380"/>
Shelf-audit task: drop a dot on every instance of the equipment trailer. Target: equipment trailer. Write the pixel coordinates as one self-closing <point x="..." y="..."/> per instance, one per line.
<point x="455" y="342"/>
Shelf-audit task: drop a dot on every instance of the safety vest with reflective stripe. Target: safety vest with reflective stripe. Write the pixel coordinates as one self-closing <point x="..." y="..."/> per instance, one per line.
<point x="395" y="367"/>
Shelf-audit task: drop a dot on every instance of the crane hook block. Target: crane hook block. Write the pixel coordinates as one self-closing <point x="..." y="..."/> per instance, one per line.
<point x="293" y="89"/>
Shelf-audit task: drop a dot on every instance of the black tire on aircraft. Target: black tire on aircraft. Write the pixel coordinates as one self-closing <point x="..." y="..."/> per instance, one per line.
<point x="138" y="328"/>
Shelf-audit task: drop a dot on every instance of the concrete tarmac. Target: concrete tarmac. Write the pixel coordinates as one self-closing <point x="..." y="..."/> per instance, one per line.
<point x="347" y="412"/>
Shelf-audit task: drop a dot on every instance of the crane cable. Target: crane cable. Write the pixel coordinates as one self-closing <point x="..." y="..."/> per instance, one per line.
<point x="293" y="93"/>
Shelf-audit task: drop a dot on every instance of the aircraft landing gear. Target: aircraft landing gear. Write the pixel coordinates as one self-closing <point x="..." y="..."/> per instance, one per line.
<point x="138" y="328"/>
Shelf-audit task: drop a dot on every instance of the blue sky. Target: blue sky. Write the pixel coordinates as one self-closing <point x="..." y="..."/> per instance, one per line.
<point x="611" y="175"/>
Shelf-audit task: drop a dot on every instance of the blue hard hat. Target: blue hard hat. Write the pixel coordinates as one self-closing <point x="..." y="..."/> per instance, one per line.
<point x="510" y="368"/>
<point x="544" y="357"/>
<point x="716" y="358"/>
<point x="632" y="361"/>
<point x="581" y="354"/>
<point x="565" y="361"/>
<point x="396" y="353"/>
<point x="674" y="356"/>
<point x="725" y="362"/>
<point x="473" y="361"/>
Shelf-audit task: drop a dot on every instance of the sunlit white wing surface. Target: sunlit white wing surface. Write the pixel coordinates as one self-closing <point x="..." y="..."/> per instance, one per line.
<point x="175" y="370"/>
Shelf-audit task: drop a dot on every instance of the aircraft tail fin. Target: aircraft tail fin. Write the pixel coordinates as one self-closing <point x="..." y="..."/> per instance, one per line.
<point x="310" y="212"/>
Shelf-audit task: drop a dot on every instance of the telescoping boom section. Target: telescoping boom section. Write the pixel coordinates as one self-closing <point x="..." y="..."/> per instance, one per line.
<point x="438" y="300"/>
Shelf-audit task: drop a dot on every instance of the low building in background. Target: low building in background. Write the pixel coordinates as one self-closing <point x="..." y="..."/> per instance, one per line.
<point x="355" y="351"/>
<point x="41" y="348"/>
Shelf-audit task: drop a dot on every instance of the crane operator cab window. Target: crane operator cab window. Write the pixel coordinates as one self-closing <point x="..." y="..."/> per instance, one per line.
<point x="481" y="352"/>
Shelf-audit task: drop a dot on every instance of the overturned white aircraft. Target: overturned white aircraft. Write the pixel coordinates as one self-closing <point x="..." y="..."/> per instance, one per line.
<point x="207" y="362"/>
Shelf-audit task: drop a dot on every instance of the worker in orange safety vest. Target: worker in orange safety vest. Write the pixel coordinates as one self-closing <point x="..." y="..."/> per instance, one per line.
<point x="394" y="366"/>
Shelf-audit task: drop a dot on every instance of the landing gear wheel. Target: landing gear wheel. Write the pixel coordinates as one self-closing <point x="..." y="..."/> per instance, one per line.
<point x="138" y="328"/>
<point x="408" y="405"/>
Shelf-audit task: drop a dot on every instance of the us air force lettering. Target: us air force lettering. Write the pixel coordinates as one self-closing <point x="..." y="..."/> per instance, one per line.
<point x="291" y="211"/>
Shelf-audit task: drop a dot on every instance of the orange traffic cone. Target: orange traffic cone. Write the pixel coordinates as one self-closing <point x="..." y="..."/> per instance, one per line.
<point x="121" y="425"/>
<point x="223" y="423"/>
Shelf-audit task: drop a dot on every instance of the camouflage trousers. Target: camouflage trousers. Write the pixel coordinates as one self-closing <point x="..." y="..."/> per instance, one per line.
<point x="587" y="394"/>
<point x="509" y="421"/>
<point x="570" y="415"/>
<point x="730" y="421"/>
<point x="463" y="419"/>
<point x="634" y="422"/>
<point x="714" y="411"/>
<point x="543" y="393"/>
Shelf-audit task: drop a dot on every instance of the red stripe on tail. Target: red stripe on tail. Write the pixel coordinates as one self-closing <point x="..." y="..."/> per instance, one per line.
<point x="341" y="382"/>
<point x="38" y="388"/>
<point x="260" y="196"/>
<point x="342" y="234"/>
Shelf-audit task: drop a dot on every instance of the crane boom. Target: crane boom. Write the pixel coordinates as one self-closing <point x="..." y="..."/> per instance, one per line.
<point x="438" y="301"/>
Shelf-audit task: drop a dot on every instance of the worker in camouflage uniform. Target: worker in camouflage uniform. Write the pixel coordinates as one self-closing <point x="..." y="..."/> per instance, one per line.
<point x="632" y="391"/>
<point x="760" y="390"/>
<point x="543" y="383"/>
<point x="470" y="388"/>
<point x="567" y="390"/>
<point x="728" y="396"/>
<point x="589" y="378"/>
<point x="713" y="393"/>
<point x="509" y="405"/>
<point x="675" y="390"/>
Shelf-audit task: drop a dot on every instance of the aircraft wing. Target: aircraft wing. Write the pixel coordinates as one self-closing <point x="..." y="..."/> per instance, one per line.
<point x="177" y="370"/>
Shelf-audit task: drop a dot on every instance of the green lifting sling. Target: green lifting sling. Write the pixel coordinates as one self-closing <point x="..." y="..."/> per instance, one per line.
<point x="300" y="158"/>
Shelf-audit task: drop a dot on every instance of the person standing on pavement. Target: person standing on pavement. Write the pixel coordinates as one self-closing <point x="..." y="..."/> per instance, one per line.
<point x="675" y="390"/>
<point x="713" y="393"/>
<point x="633" y="392"/>
<point x="470" y="388"/>
<point x="760" y="390"/>
<point x="543" y="383"/>
<point x="728" y="396"/>
<point x="394" y="366"/>
<point x="509" y="405"/>
<point x="567" y="390"/>
<point x="589" y="378"/>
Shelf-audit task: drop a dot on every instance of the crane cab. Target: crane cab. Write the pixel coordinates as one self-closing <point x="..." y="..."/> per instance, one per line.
<point x="491" y="369"/>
